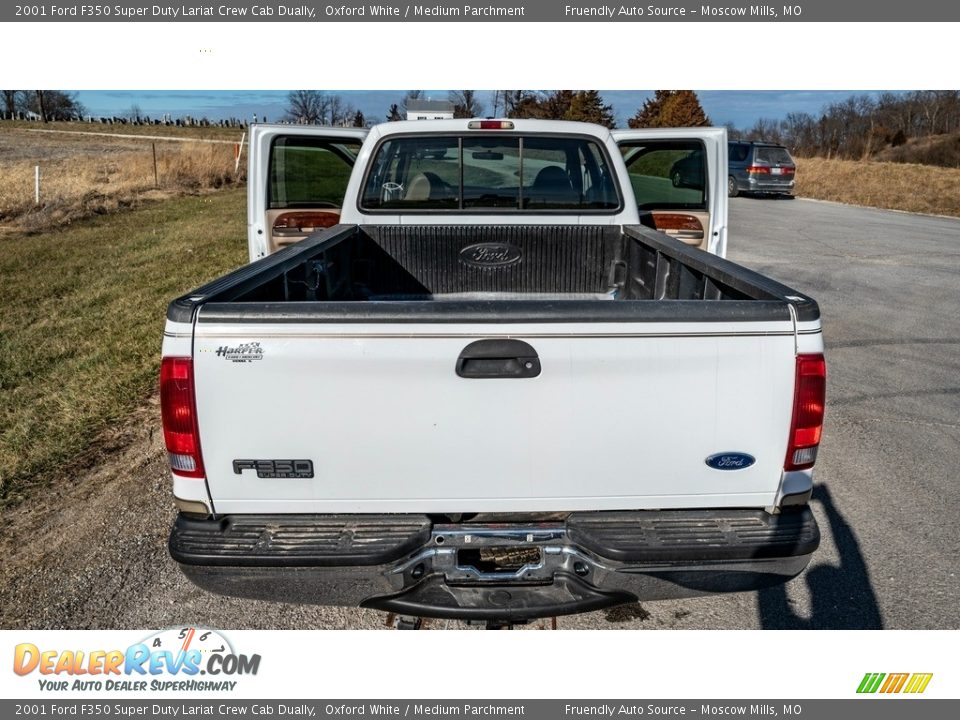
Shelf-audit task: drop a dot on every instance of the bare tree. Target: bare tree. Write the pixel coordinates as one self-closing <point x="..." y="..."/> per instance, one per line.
<point x="516" y="103"/>
<point x="466" y="104"/>
<point x="307" y="107"/>
<point x="496" y="100"/>
<point x="12" y="101"/>
<point x="41" y="105"/>
<point x="338" y="111"/>
<point x="861" y="126"/>
<point x="766" y="130"/>
<point x="55" y="105"/>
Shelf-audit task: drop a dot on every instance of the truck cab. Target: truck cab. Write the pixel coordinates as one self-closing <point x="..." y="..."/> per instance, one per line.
<point x="299" y="177"/>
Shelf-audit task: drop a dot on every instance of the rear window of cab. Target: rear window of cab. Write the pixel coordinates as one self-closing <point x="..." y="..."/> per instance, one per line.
<point x="494" y="172"/>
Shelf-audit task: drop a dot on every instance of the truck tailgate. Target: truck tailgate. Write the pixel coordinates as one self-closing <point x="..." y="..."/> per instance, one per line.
<point x="620" y="416"/>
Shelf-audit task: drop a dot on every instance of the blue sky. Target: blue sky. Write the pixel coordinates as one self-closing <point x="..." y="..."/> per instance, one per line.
<point x="741" y="107"/>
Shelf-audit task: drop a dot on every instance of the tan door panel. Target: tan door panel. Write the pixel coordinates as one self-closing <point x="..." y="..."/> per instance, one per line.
<point x="291" y="226"/>
<point x="684" y="225"/>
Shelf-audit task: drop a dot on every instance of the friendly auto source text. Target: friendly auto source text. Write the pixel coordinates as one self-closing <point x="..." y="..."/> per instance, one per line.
<point x="611" y="11"/>
<point x="674" y="710"/>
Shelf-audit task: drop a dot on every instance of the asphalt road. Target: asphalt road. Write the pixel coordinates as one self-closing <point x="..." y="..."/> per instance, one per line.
<point x="92" y="553"/>
<point x="888" y="285"/>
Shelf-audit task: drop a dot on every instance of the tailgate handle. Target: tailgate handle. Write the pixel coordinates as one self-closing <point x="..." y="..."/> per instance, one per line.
<point x="498" y="359"/>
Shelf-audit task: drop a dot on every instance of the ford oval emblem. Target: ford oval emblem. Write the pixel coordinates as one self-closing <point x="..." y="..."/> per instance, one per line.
<point x="730" y="461"/>
<point x="490" y="254"/>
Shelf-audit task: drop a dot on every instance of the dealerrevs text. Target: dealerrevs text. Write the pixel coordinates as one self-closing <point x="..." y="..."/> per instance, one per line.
<point x="135" y="660"/>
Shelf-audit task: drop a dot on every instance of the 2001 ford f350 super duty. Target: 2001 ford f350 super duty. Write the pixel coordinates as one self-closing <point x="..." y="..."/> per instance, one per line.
<point x="490" y="369"/>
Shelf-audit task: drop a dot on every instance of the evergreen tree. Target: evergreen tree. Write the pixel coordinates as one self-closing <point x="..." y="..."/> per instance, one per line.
<point x="670" y="108"/>
<point x="521" y="104"/>
<point x="556" y="105"/>
<point x="515" y="103"/>
<point x="587" y="106"/>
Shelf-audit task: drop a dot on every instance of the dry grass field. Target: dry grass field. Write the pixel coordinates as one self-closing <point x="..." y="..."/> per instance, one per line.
<point x="894" y="186"/>
<point x="93" y="173"/>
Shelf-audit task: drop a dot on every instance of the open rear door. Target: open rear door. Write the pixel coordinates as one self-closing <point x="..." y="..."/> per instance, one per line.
<point x="679" y="181"/>
<point x="296" y="182"/>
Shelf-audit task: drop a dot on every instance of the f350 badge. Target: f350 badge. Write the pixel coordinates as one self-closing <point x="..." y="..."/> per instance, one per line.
<point x="730" y="461"/>
<point x="275" y="468"/>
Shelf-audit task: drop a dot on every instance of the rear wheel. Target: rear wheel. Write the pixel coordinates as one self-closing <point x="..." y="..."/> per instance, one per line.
<point x="732" y="190"/>
<point x="677" y="179"/>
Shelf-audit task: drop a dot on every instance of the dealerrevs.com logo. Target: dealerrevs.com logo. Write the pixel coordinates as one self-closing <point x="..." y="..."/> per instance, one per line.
<point x="173" y="659"/>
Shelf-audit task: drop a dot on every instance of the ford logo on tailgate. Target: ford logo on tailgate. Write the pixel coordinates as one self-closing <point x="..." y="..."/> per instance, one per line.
<point x="490" y="254"/>
<point x="730" y="461"/>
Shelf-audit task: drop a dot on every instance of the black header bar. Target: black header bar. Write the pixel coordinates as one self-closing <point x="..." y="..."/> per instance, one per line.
<point x="485" y="11"/>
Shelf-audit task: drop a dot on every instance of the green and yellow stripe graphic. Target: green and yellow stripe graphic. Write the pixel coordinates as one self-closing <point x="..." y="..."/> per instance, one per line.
<point x="894" y="682"/>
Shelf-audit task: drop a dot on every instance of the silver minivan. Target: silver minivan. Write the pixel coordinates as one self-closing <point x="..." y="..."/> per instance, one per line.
<point x="759" y="167"/>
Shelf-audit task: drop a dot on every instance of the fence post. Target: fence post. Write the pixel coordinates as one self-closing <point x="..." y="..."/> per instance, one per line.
<point x="36" y="184"/>
<point x="156" y="177"/>
<point x="237" y="152"/>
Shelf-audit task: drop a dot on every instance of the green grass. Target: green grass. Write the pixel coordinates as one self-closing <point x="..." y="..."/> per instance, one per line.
<point x="82" y="322"/>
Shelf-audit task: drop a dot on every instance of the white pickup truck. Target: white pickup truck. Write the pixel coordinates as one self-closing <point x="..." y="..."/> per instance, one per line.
<point x="491" y="370"/>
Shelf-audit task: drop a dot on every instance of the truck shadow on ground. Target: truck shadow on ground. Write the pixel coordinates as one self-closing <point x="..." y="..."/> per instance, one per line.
<point x="841" y="597"/>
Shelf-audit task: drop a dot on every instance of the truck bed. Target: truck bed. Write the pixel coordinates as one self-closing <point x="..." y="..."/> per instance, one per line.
<point x="409" y="273"/>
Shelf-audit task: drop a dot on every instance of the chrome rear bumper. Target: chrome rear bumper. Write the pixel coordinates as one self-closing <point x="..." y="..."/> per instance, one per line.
<point x="494" y="571"/>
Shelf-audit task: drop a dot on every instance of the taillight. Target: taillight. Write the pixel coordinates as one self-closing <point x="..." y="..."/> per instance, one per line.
<point x="809" y="397"/>
<point x="758" y="170"/>
<point x="788" y="170"/>
<point x="178" y="407"/>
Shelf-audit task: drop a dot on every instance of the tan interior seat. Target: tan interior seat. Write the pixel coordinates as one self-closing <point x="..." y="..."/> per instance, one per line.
<point x="419" y="188"/>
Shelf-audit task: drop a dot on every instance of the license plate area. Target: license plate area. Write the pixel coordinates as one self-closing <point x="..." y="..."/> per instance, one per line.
<point x="498" y="553"/>
<point x="499" y="559"/>
<point x="776" y="171"/>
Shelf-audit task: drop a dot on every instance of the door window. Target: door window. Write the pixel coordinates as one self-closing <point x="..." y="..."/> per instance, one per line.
<point x="667" y="174"/>
<point x="309" y="172"/>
